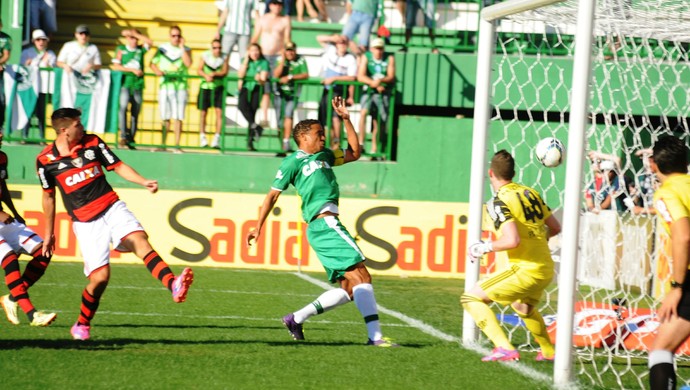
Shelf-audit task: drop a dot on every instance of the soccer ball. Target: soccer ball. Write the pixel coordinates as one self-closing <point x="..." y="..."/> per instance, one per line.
<point x="549" y="152"/>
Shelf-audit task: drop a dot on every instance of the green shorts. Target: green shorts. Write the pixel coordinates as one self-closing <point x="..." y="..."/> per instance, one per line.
<point x="336" y="249"/>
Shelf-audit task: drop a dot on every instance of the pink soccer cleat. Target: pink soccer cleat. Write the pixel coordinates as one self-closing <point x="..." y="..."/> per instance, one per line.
<point x="80" y="332"/>
<point x="181" y="285"/>
<point x="502" y="355"/>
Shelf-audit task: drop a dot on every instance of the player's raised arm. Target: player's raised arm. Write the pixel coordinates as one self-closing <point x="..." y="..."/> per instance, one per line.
<point x="353" y="152"/>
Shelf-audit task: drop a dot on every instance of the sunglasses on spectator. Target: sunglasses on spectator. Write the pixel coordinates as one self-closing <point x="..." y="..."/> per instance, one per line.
<point x="41" y="39"/>
<point x="216" y="48"/>
<point x="175" y="35"/>
<point x="83" y="33"/>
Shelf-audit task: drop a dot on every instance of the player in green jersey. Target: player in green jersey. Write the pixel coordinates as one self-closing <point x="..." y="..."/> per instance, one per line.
<point x="310" y="170"/>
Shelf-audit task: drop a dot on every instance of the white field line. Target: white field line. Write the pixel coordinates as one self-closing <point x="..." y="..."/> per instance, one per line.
<point x="525" y="371"/>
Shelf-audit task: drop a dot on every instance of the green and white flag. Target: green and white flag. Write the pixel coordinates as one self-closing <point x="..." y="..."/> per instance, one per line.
<point x="22" y="85"/>
<point x="88" y="93"/>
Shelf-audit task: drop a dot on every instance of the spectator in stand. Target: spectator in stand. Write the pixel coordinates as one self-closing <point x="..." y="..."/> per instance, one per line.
<point x="290" y="68"/>
<point x="273" y="30"/>
<point x="642" y="196"/>
<point x="320" y="16"/>
<point x="170" y="64"/>
<point x="607" y="191"/>
<point x="5" y="49"/>
<point x="213" y="68"/>
<point x="129" y="59"/>
<point x="38" y="56"/>
<point x="428" y="7"/>
<point x="42" y="16"/>
<point x="253" y="75"/>
<point x="337" y="65"/>
<point x="287" y="4"/>
<point x="360" y="22"/>
<point x="235" y="25"/>
<point x="376" y="70"/>
<point x="79" y="55"/>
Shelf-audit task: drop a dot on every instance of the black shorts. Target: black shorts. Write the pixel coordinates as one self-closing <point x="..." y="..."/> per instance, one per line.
<point x="210" y="98"/>
<point x="684" y="305"/>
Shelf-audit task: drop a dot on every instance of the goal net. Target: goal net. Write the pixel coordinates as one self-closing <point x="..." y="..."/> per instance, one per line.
<point x="639" y="91"/>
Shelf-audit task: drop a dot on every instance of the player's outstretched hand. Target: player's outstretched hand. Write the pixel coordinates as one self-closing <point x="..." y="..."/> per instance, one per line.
<point x="253" y="235"/>
<point x="340" y="107"/>
<point x="48" y="246"/>
<point x="151" y="185"/>
<point x="479" y="249"/>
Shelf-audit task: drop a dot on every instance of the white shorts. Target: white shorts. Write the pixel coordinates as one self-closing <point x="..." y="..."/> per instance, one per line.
<point x="172" y="103"/>
<point x="96" y="236"/>
<point x="16" y="237"/>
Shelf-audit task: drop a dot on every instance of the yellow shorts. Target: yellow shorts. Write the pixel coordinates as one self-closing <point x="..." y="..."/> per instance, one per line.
<point x="515" y="284"/>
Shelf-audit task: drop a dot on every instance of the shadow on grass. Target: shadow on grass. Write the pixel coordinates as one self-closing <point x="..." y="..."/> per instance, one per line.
<point x="121" y="343"/>
<point x="106" y="344"/>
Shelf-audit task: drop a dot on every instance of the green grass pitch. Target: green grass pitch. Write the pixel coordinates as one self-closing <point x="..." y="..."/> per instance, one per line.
<point x="228" y="335"/>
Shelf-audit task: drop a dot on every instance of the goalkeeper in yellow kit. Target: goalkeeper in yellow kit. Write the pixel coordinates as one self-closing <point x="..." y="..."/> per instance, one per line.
<point x="523" y="225"/>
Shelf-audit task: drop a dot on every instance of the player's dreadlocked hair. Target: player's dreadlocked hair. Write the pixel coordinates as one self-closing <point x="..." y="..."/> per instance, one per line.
<point x="63" y="117"/>
<point x="303" y="127"/>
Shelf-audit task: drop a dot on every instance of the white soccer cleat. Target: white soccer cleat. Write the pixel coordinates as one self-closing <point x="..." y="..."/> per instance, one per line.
<point x="10" y="309"/>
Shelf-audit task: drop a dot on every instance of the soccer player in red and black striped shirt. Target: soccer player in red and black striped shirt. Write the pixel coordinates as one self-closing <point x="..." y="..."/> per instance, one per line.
<point x="16" y="238"/>
<point x="75" y="164"/>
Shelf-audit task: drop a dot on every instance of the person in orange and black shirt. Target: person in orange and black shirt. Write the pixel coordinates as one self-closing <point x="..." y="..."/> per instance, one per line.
<point x="16" y="238"/>
<point x="75" y="164"/>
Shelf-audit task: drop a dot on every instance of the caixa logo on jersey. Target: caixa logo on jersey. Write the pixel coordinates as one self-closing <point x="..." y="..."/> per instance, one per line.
<point x="86" y="174"/>
<point x="310" y="168"/>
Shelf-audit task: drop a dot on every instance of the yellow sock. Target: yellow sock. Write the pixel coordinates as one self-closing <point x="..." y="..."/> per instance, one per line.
<point x="485" y="320"/>
<point x="535" y="324"/>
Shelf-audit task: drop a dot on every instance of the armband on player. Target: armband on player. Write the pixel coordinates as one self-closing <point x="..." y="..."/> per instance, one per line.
<point x="339" y="157"/>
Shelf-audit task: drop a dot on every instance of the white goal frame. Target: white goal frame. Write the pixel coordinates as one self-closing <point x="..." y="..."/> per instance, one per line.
<point x="579" y="102"/>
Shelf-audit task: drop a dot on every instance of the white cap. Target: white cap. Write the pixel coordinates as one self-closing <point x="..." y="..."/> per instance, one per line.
<point x="606" y="165"/>
<point x="38" y="33"/>
<point x="377" y="42"/>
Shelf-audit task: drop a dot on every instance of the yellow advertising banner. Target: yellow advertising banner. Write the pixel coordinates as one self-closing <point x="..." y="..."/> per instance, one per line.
<point x="404" y="238"/>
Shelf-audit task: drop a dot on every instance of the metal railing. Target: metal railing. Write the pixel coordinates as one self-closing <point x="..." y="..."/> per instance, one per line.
<point x="234" y="127"/>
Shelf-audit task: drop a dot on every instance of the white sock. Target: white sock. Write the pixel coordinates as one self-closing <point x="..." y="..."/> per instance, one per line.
<point x="659" y="356"/>
<point x="363" y="295"/>
<point x="325" y="302"/>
